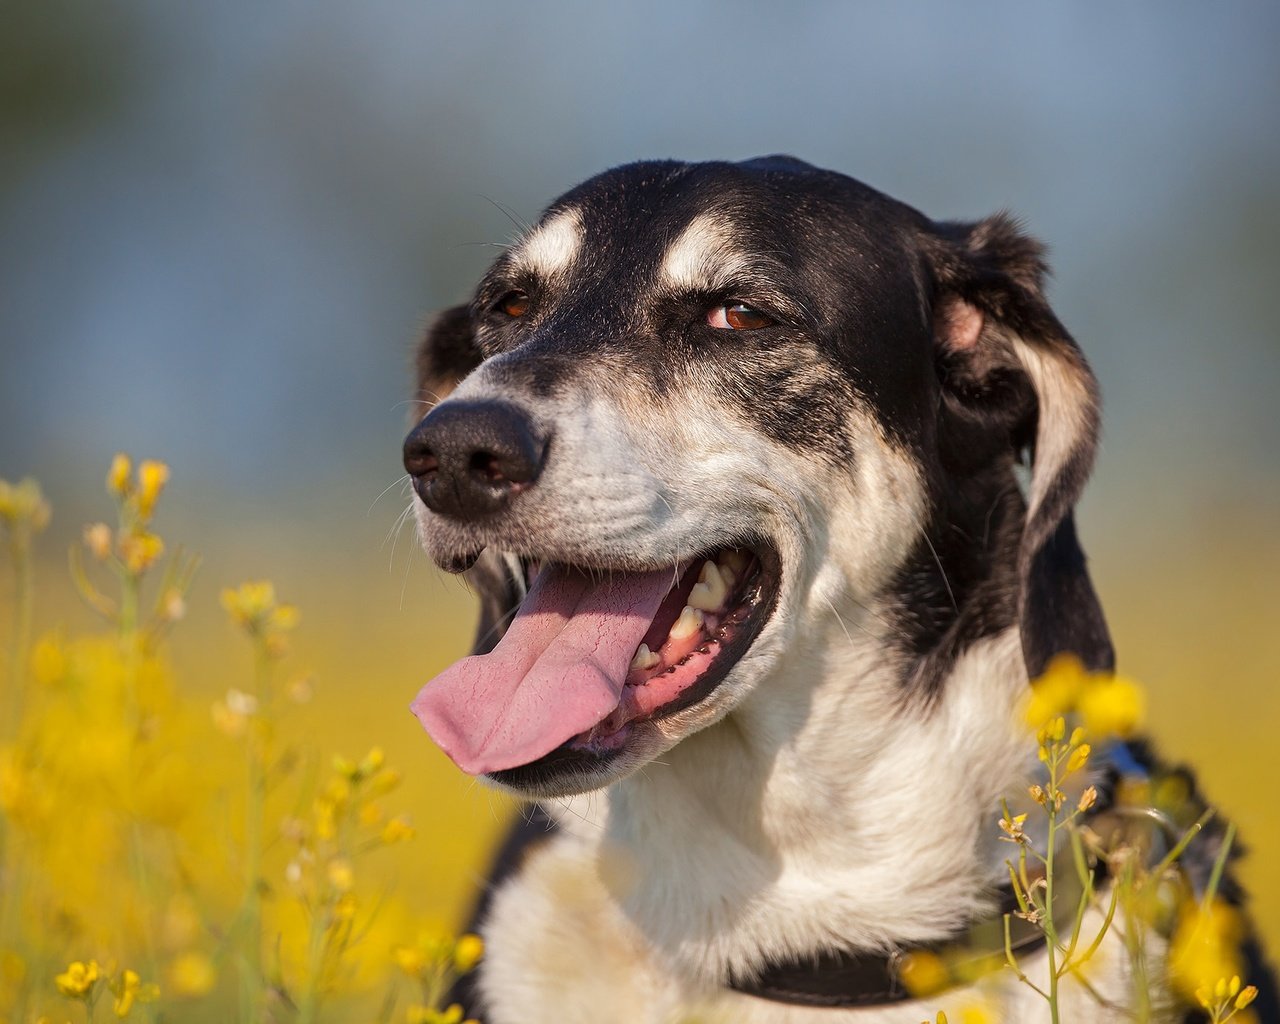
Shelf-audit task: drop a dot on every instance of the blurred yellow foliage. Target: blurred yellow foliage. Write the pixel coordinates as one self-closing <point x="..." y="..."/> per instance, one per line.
<point x="137" y="828"/>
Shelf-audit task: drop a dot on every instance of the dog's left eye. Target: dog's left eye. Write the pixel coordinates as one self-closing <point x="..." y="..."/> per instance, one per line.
<point x="514" y="304"/>
<point x="737" y="316"/>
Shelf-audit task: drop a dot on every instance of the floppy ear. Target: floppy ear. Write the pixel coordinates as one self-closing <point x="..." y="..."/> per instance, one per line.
<point x="1009" y="361"/>
<point x="446" y="354"/>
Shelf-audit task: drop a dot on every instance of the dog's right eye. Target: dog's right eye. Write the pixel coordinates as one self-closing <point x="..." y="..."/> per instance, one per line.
<point x="737" y="316"/>
<point x="514" y="304"/>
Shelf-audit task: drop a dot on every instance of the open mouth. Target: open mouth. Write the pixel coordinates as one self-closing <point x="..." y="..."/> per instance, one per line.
<point x="593" y="655"/>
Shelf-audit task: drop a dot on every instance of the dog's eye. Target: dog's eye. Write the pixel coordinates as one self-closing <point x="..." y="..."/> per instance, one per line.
<point x="737" y="316"/>
<point x="513" y="304"/>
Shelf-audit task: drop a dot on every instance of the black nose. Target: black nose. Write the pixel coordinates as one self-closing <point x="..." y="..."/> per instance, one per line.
<point x="468" y="459"/>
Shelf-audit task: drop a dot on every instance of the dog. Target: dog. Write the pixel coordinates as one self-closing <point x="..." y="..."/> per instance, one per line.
<point x="765" y="482"/>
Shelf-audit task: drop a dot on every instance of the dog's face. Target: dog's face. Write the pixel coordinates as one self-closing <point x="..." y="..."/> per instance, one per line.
<point x="697" y="402"/>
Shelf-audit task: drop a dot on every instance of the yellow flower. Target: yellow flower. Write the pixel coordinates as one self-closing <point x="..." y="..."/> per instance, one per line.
<point x="192" y="974"/>
<point x="338" y="791"/>
<point x="1056" y="691"/>
<point x="78" y="979"/>
<point x="23" y="506"/>
<point x="410" y="959"/>
<point x="118" y="474"/>
<point x="1078" y="758"/>
<point x="1205" y="947"/>
<point x="127" y="989"/>
<point x="467" y="953"/>
<point x="1011" y="826"/>
<point x="325" y="819"/>
<point x="253" y="606"/>
<point x="384" y="782"/>
<point x="1112" y="706"/>
<point x="397" y="830"/>
<point x="341" y="876"/>
<point x="140" y="550"/>
<point x="924" y="973"/>
<point x="152" y="476"/>
<point x="249" y="603"/>
<point x="284" y="617"/>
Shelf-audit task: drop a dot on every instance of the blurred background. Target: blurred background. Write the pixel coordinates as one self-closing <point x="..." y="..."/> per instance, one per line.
<point x="222" y="227"/>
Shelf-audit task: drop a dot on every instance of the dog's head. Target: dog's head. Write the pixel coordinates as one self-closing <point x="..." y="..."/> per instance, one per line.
<point x="697" y="401"/>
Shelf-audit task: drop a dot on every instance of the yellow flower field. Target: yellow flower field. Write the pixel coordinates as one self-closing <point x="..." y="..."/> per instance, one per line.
<point x="167" y="853"/>
<point x="214" y="805"/>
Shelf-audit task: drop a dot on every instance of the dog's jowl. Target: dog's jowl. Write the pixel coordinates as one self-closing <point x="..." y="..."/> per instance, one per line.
<point x="766" y="483"/>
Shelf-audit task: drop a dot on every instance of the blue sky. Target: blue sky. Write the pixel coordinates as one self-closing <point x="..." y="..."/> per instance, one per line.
<point x="222" y="254"/>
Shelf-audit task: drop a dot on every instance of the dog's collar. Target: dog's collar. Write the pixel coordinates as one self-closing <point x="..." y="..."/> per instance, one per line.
<point x="852" y="979"/>
<point x="846" y="979"/>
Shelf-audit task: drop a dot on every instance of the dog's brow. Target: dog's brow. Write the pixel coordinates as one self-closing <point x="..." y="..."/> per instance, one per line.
<point x="551" y="247"/>
<point x="705" y="258"/>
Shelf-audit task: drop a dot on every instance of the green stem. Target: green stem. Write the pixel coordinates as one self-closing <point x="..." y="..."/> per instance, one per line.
<point x="251" y="980"/>
<point x="130" y="586"/>
<point x="316" y="943"/>
<point x="147" y="895"/>
<point x="1219" y="865"/>
<point x="1050" y="928"/>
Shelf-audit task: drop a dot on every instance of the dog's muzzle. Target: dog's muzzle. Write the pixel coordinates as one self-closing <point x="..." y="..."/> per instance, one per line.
<point x="468" y="459"/>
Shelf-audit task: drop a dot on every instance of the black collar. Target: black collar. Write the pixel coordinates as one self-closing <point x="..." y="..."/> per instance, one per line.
<point x="835" y="979"/>
<point x="865" y="978"/>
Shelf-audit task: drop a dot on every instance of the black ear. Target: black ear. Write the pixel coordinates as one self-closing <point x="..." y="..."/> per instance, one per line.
<point x="1005" y="351"/>
<point x="447" y="353"/>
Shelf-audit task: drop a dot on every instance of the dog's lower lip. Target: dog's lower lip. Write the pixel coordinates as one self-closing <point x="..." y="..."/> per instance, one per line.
<point x="459" y="563"/>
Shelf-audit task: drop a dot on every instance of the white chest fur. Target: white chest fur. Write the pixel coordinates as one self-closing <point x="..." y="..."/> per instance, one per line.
<point x="752" y="839"/>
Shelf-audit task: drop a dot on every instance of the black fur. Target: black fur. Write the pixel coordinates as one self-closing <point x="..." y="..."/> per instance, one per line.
<point x="860" y="289"/>
<point x="855" y="281"/>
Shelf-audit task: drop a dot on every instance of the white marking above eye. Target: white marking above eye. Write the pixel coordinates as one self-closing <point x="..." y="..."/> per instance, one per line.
<point x="552" y="246"/>
<point x="704" y="257"/>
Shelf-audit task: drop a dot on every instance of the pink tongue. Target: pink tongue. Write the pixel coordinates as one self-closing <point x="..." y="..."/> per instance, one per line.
<point x="559" y="670"/>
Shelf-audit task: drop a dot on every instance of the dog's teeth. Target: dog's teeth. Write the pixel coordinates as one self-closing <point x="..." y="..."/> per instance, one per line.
<point x="709" y="592"/>
<point x="689" y="623"/>
<point x="735" y="559"/>
<point x="644" y="659"/>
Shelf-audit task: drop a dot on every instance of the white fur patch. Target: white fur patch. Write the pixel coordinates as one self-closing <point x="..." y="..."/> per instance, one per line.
<point x="775" y="834"/>
<point x="704" y="256"/>
<point x="551" y="247"/>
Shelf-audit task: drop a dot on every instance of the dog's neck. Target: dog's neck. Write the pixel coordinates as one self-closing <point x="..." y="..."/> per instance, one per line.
<point x="785" y="827"/>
